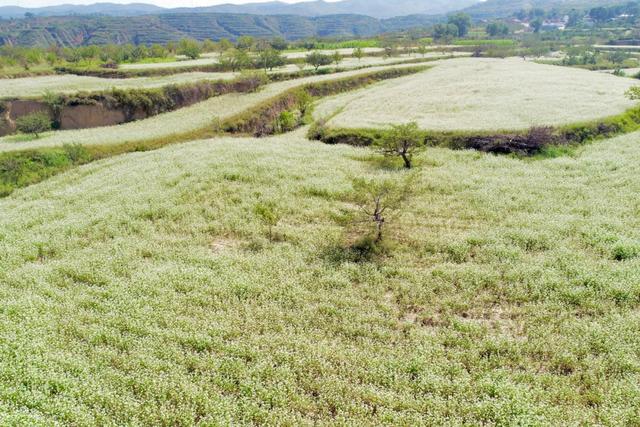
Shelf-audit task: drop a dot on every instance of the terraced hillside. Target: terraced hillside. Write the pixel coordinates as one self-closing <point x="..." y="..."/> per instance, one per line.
<point x="186" y="120"/>
<point x="84" y="30"/>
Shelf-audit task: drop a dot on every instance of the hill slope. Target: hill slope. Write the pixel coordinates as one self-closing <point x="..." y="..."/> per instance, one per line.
<point x="375" y="8"/>
<point x="76" y="30"/>
<point x="108" y="9"/>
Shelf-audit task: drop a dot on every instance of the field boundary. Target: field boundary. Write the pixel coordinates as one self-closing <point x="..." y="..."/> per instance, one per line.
<point x="84" y="110"/>
<point x="219" y="68"/>
<point x="528" y="142"/>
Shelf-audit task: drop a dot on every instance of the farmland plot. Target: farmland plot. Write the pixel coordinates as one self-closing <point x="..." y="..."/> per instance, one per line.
<point x="69" y="83"/>
<point x="214" y="58"/>
<point x="142" y="290"/>
<point x="485" y="95"/>
<point x="206" y="59"/>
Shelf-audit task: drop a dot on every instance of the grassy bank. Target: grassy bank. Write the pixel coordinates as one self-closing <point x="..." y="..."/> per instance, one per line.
<point x="529" y="142"/>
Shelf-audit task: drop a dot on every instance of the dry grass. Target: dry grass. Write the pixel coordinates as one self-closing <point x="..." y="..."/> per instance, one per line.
<point x="483" y="94"/>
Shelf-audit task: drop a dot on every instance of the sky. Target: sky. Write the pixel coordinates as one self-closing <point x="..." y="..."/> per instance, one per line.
<point x="163" y="3"/>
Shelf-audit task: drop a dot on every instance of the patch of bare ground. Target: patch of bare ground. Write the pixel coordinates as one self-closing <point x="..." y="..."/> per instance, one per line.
<point x="223" y="244"/>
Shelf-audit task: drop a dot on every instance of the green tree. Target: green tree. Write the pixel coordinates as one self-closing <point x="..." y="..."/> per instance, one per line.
<point x="235" y="60"/>
<point x="245" y="43"/>
<point x="270" y="59"/>
<point x="402" y="141"/>
<point x="158" y="51"/>
<point x="599" y="14"/>
<point x="190" y="48"/>
<point x="336" y="58"/>
<point x="172" y="47"/>
<point x="224" y="45"/>
<point x="279" y="43"/>
<point x="497" y="29"/>
<point x="389" y="52"/>
<point x="317" y="60"/>
<point x="445" y="31"/>
<point x="140" y="52"/>
<point x="34" y="123"/>
<point x="462" y="21"/>
<point x="536" y="25"/>
<point x="209" y="45"/>
<point x="575" y="17"/>
<point x="618" y="57"/>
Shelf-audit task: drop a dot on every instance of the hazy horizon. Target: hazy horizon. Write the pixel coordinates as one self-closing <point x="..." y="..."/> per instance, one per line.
<point x="161" y="3"/>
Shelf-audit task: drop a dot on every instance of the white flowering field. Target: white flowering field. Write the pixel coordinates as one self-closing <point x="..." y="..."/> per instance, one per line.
<point x="69" y="83"/>
<point x="142" y="290"/>
<point x="483" y="94"/>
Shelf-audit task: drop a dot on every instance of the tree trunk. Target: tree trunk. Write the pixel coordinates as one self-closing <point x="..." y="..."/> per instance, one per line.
<point x="407" y="161"/>
<point x="379" y="234"/>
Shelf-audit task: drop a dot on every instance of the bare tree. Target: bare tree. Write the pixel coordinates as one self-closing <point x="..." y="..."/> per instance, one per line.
<point x="377" y="200"/>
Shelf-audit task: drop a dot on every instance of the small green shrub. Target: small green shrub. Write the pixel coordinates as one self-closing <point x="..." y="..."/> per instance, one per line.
<point x="77" y="153"/>
<point x="286" y="121"/>
<point x="624" y="251"/>
<point x="269" y="215"/>
<point x="378" y="201"/>
<point x="367" y="247"/>
<point x="34" y="123"/>
<point x="54" y="101"/>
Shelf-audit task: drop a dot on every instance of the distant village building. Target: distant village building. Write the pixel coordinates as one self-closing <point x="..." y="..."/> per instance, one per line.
<point x="559" y="24"/>
<point x="554" y="25"/>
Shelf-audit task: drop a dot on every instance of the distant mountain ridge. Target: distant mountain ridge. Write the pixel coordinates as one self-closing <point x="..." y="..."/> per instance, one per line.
<point x="374" y="8"/>
<point x="107" y="9"/>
